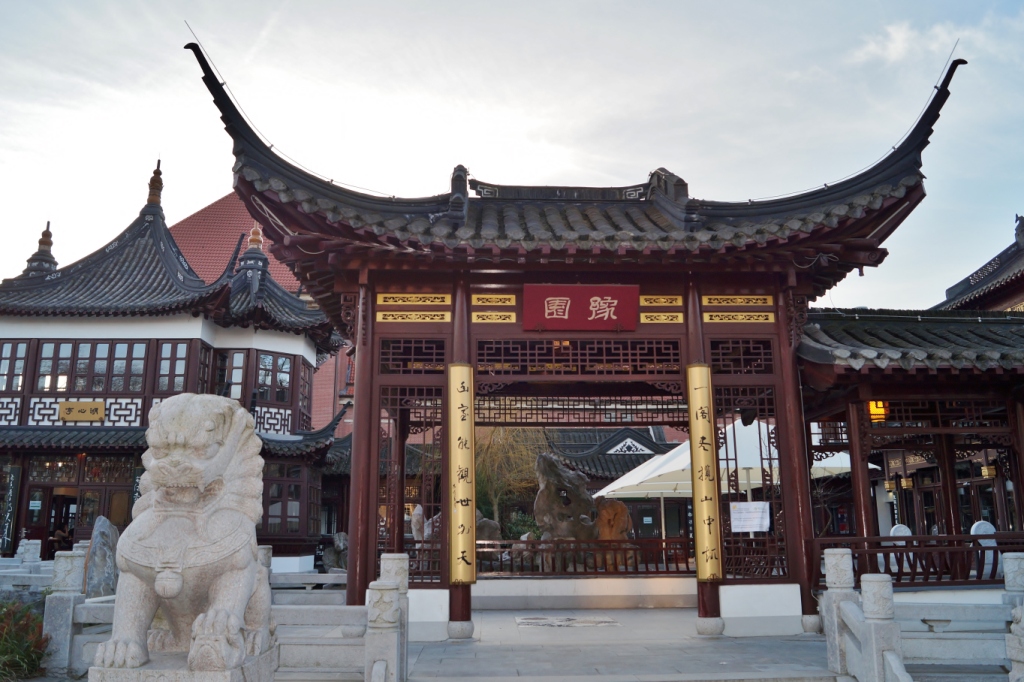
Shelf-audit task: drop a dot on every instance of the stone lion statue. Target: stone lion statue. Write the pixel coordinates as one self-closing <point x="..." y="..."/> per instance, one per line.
<point x="190" y="551"/>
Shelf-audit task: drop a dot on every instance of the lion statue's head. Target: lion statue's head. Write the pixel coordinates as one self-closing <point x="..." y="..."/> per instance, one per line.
<point x="203" y="451"/>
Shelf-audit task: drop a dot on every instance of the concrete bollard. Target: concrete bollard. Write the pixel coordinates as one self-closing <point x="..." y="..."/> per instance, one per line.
<point x="382" y="642"/>
<point x="395" y="568"/>
<point x="840" y="581"/>
<point x="59" y="613"/>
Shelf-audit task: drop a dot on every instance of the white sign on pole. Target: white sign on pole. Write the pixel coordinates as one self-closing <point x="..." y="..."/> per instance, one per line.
<point x="749" y="517"/>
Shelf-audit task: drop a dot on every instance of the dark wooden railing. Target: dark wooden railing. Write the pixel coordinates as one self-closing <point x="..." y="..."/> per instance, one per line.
<point x="912" y="560"/>
<point x="580" y="558"/>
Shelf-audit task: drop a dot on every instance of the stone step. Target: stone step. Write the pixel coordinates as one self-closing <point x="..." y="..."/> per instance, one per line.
<point x="314" y="675"/>
<point x="957" y="673"/>
<point x="766" y="676"/>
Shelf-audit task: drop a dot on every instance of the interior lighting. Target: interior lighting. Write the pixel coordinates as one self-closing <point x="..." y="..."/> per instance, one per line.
<point x="878" y="411"/>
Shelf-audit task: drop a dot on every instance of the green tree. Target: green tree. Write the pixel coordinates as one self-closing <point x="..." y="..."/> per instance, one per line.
<point x="505" y="459"/>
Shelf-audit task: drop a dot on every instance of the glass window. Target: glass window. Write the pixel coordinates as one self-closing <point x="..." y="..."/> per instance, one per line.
<point x="119" y="507"/>
<point x="84" y="367"/>
<point x="89" y="507"/>
<point x="12" y="364"/>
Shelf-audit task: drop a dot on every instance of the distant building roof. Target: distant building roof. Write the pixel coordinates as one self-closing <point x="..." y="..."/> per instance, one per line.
<point x="208" y="236"/>
<point x="997" y="278"/>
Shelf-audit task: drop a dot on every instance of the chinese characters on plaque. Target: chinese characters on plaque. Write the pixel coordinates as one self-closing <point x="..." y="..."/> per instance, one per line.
<point x="581" y="307"/>
<point x="81" y="411"/>
<point x="461" y="474"/>
<point x="707" y="532"/>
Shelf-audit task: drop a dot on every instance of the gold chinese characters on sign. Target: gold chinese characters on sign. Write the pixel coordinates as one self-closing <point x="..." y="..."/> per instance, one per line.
<point x="461" y="474"/>
<point x="82" y="411"/>
<point x="707" y="533"/>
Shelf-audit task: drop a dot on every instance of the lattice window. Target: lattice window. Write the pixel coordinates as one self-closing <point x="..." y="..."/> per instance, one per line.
<point x="748" y="456"/>
<point x="583" y="357"/>
<point x="109" y="470"/>
<point x="283" y="484"/>
<point x="413" y="477"/>
<point x="961" y="414"/>
<point x="494" y="410"/>
<point x="230" y="373"/>
<point x="274" y="377"/>
<point x="171" y="366"/>
<point x="742" y="356"/>
<point x="205" y="353"/>
<point x="412" y="356"/>
<point x="12" y="365"/>
<point x="91" y="366"/>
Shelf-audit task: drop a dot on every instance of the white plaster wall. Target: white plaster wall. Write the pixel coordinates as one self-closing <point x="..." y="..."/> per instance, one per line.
<point x="761" y="610"/>
<point x="572" y="593"/>
<point x="183" y="326"/>
<point x="428" y="615"/>
<point x="291" y="564"/>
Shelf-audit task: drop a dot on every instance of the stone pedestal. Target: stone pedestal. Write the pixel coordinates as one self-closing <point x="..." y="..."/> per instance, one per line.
<point x="58" y="617"/>
<point x="710" y="627"/>
<point x="165" y="667"/>
<point x="460" y="629"/>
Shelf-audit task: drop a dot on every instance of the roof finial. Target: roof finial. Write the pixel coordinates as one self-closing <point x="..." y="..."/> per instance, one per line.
<point x="156" y="185"/>
<point x="42" y="261"/>
<point x="256" y="237"/>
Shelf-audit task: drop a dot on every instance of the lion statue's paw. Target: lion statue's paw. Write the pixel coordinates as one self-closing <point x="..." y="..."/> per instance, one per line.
<point x="164" y="640"/>
<point x="218" y="642"/>
<point x="120" y="653"/>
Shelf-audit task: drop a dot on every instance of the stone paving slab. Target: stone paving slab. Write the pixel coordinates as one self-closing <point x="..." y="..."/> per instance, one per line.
<point x="649" y="645"/>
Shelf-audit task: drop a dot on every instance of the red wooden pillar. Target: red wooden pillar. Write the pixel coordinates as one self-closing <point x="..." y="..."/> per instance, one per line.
<point x="708" y="605"/>
<point x="857" y="426"/>
<point x="362" y="531"/>
<point x="460" y="607"/>
<point x="793" y="461"/>
<point x="946" y="455"/>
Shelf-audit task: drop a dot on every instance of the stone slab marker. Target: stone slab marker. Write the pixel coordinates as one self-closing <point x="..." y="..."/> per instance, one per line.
<point x="395" y="568"/>
<point x="58" y="617"/>
<point x="101" y="560"/>
<point x="191" y="554"/>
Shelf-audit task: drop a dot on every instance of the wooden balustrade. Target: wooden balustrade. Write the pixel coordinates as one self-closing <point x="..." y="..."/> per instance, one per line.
<point x="573" y="557"/>
<point x="952" y="560"/>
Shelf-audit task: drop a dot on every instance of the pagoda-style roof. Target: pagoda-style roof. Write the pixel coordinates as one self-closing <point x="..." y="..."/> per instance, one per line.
<point x="257" y="300"/>
<point x="140" y="272"/>
<point x="821" y="235"/>
<point x="619" y="451"/>
<point x="861" y="339"/>
<point x="994" y="281"/>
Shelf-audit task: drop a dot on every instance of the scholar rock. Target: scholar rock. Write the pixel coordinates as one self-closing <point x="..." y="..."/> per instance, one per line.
<point x="101" y="560"/>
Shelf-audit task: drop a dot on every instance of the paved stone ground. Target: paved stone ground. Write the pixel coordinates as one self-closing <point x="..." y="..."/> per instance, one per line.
<point x="649" y="645"/>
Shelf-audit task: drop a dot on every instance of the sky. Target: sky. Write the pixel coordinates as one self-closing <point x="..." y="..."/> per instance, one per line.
<point x="744" y="100"/>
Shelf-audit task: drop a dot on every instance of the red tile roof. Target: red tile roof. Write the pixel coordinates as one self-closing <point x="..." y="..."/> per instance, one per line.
<point x="208" y="236"/>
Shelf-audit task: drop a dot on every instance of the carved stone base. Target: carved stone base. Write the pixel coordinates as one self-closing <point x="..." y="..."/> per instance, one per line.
<point x="711" y="627"/>
<point x="173" y="667"/>
<point x="811" y="624"/>
<point x="460" y="629"/>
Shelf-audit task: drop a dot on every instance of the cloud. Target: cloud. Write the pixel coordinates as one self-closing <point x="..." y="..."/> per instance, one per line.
<point x="892" y="47"/>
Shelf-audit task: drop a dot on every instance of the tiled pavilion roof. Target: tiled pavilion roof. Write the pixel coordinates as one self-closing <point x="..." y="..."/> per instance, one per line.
<point x="956" y="340"/>
<point x="993" y="279"/>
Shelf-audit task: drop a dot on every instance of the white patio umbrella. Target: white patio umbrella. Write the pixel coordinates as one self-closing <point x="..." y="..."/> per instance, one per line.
<point x="669" y="475"/>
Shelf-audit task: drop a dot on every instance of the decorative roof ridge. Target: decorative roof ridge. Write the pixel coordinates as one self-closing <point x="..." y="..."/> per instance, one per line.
<point x="247" y="139"/>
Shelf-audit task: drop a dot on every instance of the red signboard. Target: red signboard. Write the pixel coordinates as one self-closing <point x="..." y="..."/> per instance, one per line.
<point x="580" y="307"/>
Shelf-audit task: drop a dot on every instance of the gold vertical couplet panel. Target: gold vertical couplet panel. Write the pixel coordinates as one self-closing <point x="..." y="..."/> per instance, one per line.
<point x="707" y="528"/>
<point x="461" y="474"/>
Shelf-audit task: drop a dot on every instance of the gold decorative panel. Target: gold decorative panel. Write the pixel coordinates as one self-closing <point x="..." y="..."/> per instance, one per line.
<point x="410" y="316"/>
<point x="82" y="411"/>
<point x="739" y="317"/>
<point x="461" y="474"/>
<point x="666" y="301"/>
<point x="494" y="299"/>
<point x="661" y="318"/>
<point x="414" y="299"/>
<point x="495" y="317"/>
<point x="736" y="301"/>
